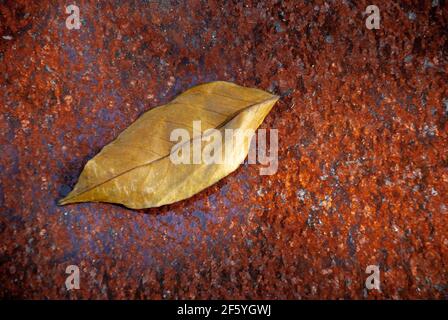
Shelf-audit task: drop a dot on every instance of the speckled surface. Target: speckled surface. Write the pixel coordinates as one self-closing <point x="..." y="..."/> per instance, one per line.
<point x="363" y="168"/>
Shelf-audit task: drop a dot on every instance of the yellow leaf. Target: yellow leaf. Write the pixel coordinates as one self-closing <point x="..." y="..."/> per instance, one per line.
<point x="137" y="170"/>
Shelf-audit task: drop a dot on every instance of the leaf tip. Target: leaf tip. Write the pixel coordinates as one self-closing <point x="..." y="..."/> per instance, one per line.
<point x="62" y="202"/>
<point x="66" y="200"/>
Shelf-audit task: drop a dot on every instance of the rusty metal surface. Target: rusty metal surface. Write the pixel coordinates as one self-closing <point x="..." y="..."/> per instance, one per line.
<point x="362" y="177"/>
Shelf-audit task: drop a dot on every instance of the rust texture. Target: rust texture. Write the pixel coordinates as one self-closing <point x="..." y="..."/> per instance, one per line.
<point x="363" y="168"/>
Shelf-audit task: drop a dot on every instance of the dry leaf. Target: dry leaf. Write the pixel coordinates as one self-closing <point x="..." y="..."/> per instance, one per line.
<point x="136" y="169"/>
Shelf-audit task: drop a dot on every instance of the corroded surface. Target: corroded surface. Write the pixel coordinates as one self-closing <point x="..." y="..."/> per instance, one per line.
<point x="362" y="175"/>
